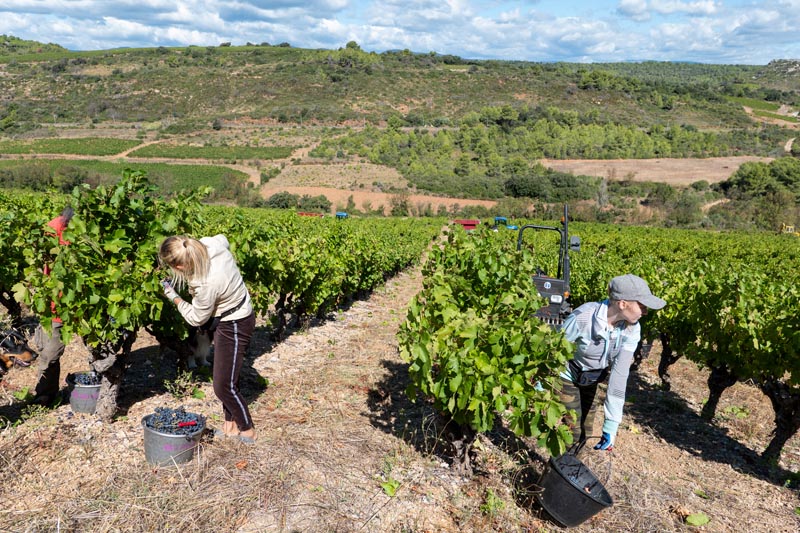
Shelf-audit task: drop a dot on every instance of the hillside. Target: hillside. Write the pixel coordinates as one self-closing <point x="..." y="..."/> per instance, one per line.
<point x="410" y="133"/>
<point x="197" y="84"/>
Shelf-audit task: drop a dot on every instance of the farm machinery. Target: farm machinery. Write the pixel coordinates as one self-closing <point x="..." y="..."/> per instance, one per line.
<point x="554" y="289"/>
<point x="787" y="229"/>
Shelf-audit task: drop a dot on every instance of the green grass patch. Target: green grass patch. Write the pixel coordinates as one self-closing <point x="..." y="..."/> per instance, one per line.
<point x="213" y="152"/>
<point x="767" y="114"/>
<point x="83" y="146"/>
<point x="755" y="104"/>
<point x="169" y="178"/>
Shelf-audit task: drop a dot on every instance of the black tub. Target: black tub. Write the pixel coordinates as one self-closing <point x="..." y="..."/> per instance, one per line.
<point x="571" y="494"/>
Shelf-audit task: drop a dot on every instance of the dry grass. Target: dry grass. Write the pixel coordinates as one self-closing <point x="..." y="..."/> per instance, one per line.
<point x="675" y="172"/>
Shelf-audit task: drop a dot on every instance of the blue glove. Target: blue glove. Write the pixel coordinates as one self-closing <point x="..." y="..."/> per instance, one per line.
<point x="606" y="442"/>
<point x="169" y="292"/>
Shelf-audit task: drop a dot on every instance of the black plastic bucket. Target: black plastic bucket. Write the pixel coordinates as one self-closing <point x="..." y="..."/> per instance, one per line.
<point x="571" y="494"/>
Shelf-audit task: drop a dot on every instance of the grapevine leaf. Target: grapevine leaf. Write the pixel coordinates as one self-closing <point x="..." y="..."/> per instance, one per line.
<point x="455" y="383"/>
<point x="115" y="297"/>
<point x="697" y="519"/>
<point x="21" y="292"/>
<point x="390" y="487"/>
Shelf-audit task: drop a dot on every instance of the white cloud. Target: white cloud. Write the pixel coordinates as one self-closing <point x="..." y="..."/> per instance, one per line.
<point x="668" y="7"/>
<point x="634" y="9"/>
<point x="642" y="10"/>
<point x="604" y="30"/>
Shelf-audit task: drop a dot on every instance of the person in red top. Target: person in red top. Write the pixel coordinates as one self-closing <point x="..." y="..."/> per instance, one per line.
<point x="51" y="348"/>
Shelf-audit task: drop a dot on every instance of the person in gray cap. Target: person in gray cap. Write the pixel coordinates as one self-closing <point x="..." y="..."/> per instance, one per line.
<point x="605" y="335"/>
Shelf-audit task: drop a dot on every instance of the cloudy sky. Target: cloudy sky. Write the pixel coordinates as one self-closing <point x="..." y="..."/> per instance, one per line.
<point x="707" y="31"/>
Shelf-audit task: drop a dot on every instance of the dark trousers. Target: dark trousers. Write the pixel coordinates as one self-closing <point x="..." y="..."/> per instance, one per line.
<point x="581" y="399"/>
<point x="231" y="340"/>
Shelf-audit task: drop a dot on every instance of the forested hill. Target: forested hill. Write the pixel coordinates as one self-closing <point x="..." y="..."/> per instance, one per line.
<point x="14" y="46"/>
<point x="194" y="85"/>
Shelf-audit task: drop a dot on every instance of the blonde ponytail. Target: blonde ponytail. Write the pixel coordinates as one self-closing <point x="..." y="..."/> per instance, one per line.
<point x="185" y="252"/>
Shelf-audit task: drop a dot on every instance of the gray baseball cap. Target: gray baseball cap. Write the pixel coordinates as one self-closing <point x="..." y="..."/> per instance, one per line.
<point x="630" y="287"/>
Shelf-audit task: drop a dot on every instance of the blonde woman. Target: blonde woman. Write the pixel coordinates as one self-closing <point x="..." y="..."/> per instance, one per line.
<point x="219" y="302"/>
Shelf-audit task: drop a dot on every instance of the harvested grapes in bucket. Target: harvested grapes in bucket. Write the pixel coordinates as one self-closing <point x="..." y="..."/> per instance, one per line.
<point x="86" y="378"/>
<point x="175" y="421"/>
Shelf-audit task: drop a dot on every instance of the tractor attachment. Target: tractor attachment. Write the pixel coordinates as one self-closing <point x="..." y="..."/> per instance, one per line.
<point x="555" y="289"/>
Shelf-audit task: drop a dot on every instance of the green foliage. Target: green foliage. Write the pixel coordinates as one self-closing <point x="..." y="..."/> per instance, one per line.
<point x="492" y="504"/>
<point x="390" y="487"/>
<point x="318" y="203"/>
<point x="755" y="179"/>
<point x="755" y="103"/>
<point x="23" y="395"/>
<point x="228" y="184"/>
<point x="269" y="174"/>
<point x="83" y="146"/>
<point x="8" y="119"/>
<point x="550" y="186"/>
<point x="106" y="282"/>
<point x="320" y="85"/>
<point x="306" y="203"/>
<point x="212" y="152"/>
<point x="12" y="46"/>
<point x="661" y="195"/>
<point x="19" y="214"/>
<point x="183" y="386"/>
<point x="283" y="200"/>
<point x="697" y="519"/>
<point x="30" y="412"/>
<point x="474" y="346"/>
<point x="489" y="156"/>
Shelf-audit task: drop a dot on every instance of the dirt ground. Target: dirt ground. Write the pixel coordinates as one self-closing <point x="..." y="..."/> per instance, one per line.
<point x="676" y="172"/>
<point x="342" y="449"/>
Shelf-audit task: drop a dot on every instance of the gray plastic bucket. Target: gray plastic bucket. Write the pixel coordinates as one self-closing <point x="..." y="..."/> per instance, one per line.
<point x="165" y="448"/>
<point x="571" y="494"/>
<point x="82" y="398"/>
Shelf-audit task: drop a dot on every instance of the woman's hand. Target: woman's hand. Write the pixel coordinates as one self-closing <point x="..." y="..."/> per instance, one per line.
<point x="169" y="291"/>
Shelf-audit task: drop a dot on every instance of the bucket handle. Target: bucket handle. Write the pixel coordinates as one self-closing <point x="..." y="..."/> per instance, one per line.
<point x="576" y="448"/>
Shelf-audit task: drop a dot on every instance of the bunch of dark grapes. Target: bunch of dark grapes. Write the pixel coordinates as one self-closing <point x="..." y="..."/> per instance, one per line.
<point x="175" y="421"/>
<point x="87" y="378"/>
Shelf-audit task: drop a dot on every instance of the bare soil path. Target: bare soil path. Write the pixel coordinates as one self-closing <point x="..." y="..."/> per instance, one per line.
<point x="341" y="448"/>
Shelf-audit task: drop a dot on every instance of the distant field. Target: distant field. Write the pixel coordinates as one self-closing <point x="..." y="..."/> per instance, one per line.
<point x="366" y="183"/>
<point x="184" y="151"/>
<point x="679" y="172"/>
<point x="775" y="113"/>
<point x="753" y="103"/>
<point x="775" y="116"/>
<point x="83" y="146"/>
<point x="169" y="177"/>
